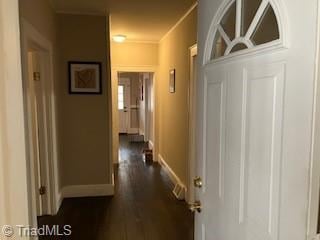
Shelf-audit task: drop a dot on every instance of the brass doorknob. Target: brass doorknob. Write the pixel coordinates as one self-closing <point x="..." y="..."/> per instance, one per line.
<point x="197" y="182"/>
<point x="196" y="206"/>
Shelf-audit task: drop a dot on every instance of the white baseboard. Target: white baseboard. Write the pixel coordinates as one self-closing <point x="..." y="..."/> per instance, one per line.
<point x="58" y="202"/>
<point x="150" y="144"/>
<point x="86" y="191"/>
<point x="172" y="175"/>
<point x="133" y="131"/>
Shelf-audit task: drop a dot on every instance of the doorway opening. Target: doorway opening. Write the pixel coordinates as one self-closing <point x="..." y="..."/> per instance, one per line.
<point x="134" y="100"/>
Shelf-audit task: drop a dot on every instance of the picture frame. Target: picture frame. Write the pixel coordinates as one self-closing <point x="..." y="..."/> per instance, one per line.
<point x="172" y="81"/>
<point x="85" y="77"/>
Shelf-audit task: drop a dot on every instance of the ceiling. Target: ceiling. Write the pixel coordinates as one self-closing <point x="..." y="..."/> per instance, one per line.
<point x="139" y="20"/>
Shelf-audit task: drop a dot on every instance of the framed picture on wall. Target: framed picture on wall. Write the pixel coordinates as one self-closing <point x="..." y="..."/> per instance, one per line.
<point x="85" y="78"/>
<point x="172" y="81"/>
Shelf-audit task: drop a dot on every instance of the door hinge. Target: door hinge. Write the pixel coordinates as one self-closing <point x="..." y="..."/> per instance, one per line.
<point x="42" y="190"/>
<point x="36" y="76"/>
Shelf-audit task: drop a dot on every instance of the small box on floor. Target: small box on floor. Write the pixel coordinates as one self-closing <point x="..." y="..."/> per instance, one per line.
<point x="148" y="155"/>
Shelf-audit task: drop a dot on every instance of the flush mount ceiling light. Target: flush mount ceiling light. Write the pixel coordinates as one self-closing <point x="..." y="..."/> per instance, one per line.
<point x="119" y="38"/>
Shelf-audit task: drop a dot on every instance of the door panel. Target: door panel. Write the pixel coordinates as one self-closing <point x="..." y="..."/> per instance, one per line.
<point x="214" y="134"/>
<point x="242" y="151"/>
<point x="262" y="162"/>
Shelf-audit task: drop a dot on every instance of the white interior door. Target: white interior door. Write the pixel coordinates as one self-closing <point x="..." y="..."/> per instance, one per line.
<point x="39" y="143"/>
<point x="255" y="116"/>
<point x="124" y="104"/>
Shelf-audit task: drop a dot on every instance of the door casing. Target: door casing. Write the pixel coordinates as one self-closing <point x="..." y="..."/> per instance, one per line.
<point x="192" y="98"/>
<point x="114" y="100"/>
<point x="32" y="39"/>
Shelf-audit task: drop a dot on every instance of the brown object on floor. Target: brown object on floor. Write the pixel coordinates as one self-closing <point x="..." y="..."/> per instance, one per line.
<point x="148" y="155"/>
<point x="143" y="207"/>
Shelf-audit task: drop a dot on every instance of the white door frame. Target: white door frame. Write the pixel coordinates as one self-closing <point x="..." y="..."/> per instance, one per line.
<point x="193" y="51"/>
<point x="114" y="99"/>
<point x="314" y="189"/>
<point x="32" y="39"/>
<point x="147" y="97"/>
<point x="14" y="202"/>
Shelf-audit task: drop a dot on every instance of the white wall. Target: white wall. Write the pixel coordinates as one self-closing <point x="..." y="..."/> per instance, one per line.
<point x="13" y="166"/>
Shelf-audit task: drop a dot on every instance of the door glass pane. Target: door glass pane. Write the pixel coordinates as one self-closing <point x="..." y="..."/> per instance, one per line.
<point x="219" y="47"/>
<point x="249" y="10"/>
<point x="267" y="29"/>
<point x="238" y="47"/>
<point x="228" y="22"/>
<point x="121" y="97"/>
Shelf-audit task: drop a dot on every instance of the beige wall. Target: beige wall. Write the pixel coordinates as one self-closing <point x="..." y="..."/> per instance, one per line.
<point x="84" y="131"/>
<point x="40" y="14"/>
<point x="134" y="54"/>
<point x="172" y="109"/>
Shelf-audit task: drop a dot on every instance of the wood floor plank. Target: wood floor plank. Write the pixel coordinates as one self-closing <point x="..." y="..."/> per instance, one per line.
<point x="143" y="207"/>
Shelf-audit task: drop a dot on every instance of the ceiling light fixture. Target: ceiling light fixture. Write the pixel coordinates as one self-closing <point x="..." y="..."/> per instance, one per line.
<point x="119" y="38"/>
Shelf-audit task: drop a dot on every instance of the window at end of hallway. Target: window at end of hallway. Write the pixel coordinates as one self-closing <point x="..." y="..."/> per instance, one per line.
<point x="121" y="97"/>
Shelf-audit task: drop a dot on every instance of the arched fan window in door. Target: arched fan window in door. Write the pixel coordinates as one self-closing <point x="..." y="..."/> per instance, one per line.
<point x="244" y="25"/>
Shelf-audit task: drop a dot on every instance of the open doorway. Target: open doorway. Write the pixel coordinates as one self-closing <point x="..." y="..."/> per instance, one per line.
<point x="135" y="104"/>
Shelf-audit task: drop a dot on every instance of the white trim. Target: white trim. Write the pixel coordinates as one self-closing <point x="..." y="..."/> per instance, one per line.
<point x="75" y="191"/>
<point x="224" y="35"/>
<point x="31" y="38"/>
<point x="150" y="144"/>
<point x="281" y="43"/>
<point x="236" y="41"/>
<point x="314" y="183"/>
<point x="172" y="175"/>
<point x="14" y="197"/>
<point x="193" y="51"/>
<point x="238" y="18"/>
<point x="180" y="20"/>
<point x="256" y="51"/>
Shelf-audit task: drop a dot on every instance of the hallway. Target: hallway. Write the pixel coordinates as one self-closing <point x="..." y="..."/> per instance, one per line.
<point x="143" y="207"/>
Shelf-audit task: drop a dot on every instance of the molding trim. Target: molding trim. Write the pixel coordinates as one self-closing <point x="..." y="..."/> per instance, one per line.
<point x="150" y="144"/>
<point x="74" y="191"/>
<point x="58" y="202"/>
<point x="180" y="20"/>
<point x="172" y="175"/>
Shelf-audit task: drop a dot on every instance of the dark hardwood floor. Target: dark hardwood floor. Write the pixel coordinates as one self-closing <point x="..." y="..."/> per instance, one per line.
<point x="143" y="207"/>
